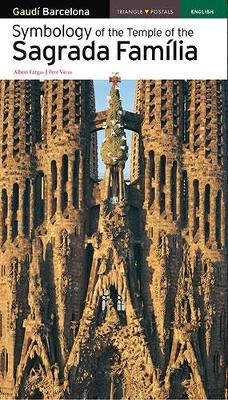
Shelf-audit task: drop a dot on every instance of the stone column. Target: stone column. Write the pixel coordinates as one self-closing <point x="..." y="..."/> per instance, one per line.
<point x="107" y="183"/>
<point x="121" y="183"/>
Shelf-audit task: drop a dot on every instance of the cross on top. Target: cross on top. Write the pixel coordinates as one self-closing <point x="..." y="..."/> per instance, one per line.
<point x="115" y="79"/>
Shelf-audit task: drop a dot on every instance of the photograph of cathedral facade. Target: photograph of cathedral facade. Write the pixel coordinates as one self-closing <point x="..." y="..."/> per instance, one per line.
<point x="113" y="289"/>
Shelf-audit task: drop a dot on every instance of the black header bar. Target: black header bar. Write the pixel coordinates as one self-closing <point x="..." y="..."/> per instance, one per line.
<point x="113" y="9"/>
<point x="55" y="9"/>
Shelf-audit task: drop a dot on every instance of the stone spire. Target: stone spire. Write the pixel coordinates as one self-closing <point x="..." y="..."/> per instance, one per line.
<point x="114" y="151"/>
<point x="111" y="323"/>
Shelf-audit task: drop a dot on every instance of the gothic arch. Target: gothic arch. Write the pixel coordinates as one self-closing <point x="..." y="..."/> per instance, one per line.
<point x="180" y="378"/>
<point x="108" y="376"/>
<point x="34" y="372"/>
<point x="33" y="379"/>
<point x="183" y="377"/>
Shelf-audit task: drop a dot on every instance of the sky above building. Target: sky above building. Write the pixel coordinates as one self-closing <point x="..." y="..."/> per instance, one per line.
<point x="127" y="94"/>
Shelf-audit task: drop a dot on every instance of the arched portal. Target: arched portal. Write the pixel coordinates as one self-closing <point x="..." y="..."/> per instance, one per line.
<point x="108" y="377"/>
<point x="180" y="381"/>
<point x="34" y="378"/>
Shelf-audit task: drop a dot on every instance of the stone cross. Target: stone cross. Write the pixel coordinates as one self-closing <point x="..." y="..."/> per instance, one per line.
<point x="115" y="79"/>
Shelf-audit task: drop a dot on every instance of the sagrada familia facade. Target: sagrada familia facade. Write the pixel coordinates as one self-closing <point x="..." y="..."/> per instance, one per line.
<point x="112" y="289"/>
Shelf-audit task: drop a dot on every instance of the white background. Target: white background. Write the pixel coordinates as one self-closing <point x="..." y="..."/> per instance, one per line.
<point x="210" y="37"/>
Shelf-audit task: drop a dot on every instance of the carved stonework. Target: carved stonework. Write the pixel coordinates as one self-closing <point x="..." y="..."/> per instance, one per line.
<point x="186" y="315"/>
<point x="113" y="287"/>
<point x="64" y="244"/>
<point x="13" y="316"/>
<point x="14" y="273"/>
<point x="163" y="245"/>
<point x="206" y="288"/>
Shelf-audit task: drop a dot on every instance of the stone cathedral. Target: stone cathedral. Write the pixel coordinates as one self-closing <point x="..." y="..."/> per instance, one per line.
<point x="113" y="289"/>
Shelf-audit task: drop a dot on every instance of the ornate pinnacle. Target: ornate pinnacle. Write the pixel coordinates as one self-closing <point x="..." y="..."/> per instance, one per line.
<point x="114" y="148"/>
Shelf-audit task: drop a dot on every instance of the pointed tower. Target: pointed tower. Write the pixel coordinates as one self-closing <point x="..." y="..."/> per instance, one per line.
<point x="19" y="131"/>
<point x="156" y="170"/>
<point x="203" y="216"/>
<point x="110" y="349"/>
<point x="183" y="176"/>
<point x="47" y="158"/>
<point x="114" y="149"/>
<point x="63" y="171"/>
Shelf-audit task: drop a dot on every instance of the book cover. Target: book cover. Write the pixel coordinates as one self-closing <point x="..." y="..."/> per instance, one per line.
<point x="113" y="199"/>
